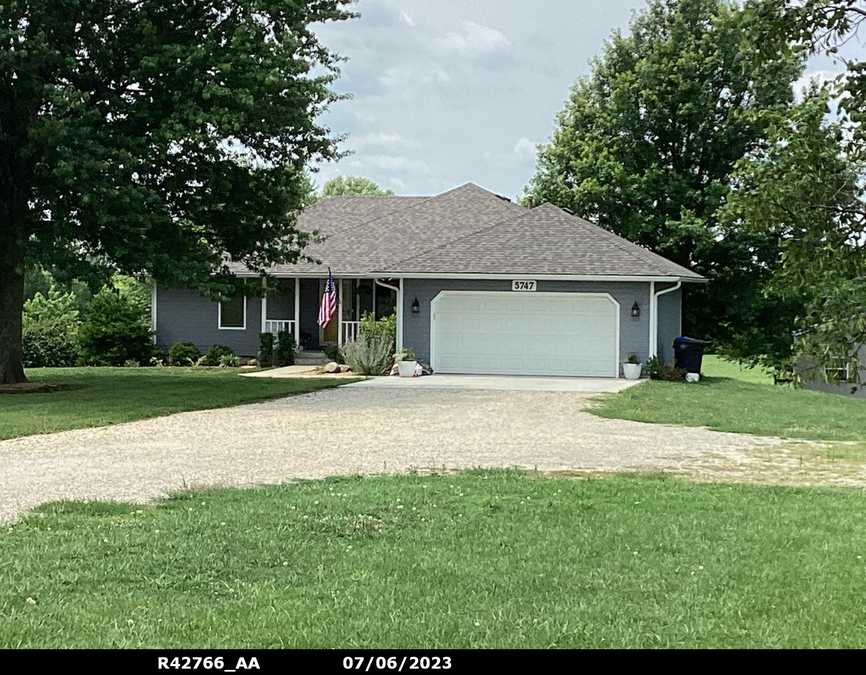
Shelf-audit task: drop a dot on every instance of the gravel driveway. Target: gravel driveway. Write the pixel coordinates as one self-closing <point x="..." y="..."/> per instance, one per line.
<point x="355" y="430"/>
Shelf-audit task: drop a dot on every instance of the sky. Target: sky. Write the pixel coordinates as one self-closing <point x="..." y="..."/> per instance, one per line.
<point x="449" y="92"/>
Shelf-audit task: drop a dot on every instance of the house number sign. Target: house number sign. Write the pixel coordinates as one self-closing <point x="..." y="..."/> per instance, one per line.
<point x="523" y="285"/>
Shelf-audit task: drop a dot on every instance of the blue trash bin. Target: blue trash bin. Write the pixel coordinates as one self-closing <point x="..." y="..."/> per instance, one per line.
<point x="689" y="353"/>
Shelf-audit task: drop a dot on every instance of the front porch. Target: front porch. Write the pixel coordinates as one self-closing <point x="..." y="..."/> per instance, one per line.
<point x="291" y="304"/>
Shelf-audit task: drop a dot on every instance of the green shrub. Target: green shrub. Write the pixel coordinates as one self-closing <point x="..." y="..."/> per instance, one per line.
<point x="369" y="355"/>
<point x="229" y="361"/>
<point x="215" y="354"/>
<point x="50" y="327"/>
<point x="183" y="354"/>
<point x="285" y="350"/>
<point x="157" y="356"/>
<point x="385" y="328"/>
<point x="114" y="331"/>
<point x="266" y="350"/>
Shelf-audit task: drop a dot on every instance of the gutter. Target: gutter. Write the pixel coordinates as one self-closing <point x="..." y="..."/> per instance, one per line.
<point x="654" y="314"/>
<point x="399" y="290"/>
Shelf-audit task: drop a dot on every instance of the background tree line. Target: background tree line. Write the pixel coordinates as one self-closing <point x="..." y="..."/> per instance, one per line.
<point x="687" y="138"/>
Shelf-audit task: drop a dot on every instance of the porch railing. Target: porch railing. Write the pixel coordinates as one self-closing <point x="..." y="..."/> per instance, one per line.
<point x="350" y="331"/>
<point x="276" y="325"/>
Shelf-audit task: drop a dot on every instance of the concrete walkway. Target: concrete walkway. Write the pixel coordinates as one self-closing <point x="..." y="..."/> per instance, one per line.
<point x="583" y="385"/>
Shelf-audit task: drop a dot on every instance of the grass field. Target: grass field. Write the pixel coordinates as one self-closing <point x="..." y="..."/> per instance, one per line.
<point x="731" y="399"/>
<point x="91" y="397"/>
<point x="483" y="559"/>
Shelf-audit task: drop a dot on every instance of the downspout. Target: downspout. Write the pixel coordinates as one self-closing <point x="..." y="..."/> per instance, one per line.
<point x="651" y="350"/>
<point x="264" y="305"/>
<point x="153" y="308"/>
<point x="399" y="290"/>
<point x="654" y="328"/>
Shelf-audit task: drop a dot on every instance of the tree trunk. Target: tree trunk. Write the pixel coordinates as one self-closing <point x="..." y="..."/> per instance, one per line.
<point x="11" y="305"/>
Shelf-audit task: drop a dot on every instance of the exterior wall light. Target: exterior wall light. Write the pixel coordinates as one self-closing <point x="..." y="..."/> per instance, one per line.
<point x="635" y="310"/>
<point x="416" y="306"/>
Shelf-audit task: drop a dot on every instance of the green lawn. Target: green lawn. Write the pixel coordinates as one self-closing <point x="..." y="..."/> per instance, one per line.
<point x="484" y="559"/>
<point x="731" y="399"/>
<point x="91" y="397"/>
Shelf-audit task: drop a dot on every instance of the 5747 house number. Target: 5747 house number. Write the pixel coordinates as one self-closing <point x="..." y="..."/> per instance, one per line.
<point x="524" y="285"/>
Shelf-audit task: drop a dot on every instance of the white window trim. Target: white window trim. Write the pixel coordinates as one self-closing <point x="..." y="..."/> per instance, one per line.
<point x="220" y="317"/>
<point x="846" y="369"/>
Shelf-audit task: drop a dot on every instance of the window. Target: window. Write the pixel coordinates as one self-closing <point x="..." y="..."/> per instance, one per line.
<point x="840" y="371"/>
<point x="233" y="313"/>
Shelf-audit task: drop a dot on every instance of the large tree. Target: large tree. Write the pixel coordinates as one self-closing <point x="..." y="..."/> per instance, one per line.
<point x="647" y="143"/>
<point x="352" y="185"/>
<point x="809" y="185"/>
<point x="157" y="136"/>
<point x="809" y="191"/>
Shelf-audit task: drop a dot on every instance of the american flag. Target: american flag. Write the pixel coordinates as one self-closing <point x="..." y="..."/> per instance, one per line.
<point x="329" y="301"/>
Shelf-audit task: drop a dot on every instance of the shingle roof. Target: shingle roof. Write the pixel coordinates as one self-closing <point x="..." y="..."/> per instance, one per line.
<point x="545" y="240"/>
<point x="467" y="230"/>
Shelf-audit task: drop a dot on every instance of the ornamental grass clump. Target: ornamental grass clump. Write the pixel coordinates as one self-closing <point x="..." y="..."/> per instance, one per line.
<point x="368" y="355"/>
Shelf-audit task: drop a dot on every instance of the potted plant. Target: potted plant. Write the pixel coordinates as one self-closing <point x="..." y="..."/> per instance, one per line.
<point x="655" y="368"/>
<point x="406" y="362"/>
<point x="631" y="367"/>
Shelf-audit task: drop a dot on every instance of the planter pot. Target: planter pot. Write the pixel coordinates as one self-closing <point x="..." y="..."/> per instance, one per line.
<point x="631" y="371"/>
<point x="406" y="368"/>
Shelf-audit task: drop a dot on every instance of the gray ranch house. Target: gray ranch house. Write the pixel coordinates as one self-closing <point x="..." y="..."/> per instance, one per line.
<point x="479" y="284"/>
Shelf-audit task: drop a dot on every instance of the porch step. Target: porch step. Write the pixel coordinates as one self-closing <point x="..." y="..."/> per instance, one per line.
<point x="310" y="358"/>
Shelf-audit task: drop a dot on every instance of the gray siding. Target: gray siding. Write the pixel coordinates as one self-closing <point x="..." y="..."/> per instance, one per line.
<point x="670" y="323"/>
<point x="812" y="377"/>
<point x="183" y="315"/>
<point x="634" y="333"/>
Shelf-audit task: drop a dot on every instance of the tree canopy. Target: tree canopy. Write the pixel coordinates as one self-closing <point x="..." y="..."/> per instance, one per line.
<point x="155" y="136"/>
<point x="647" y="143"/>
<point x="352" y="185"/>
<point x="809" y="185"/>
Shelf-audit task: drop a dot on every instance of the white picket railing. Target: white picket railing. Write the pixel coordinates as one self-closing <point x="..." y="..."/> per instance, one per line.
<point x="276" y="325"/>
<point x="350" y="331"/>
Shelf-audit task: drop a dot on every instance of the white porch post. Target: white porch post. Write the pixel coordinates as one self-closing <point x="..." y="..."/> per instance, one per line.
<point x="264" y="306"/>
<point x="399" y="344"/>
<point x="340" y="312"/>
<point x="297" y="310"/>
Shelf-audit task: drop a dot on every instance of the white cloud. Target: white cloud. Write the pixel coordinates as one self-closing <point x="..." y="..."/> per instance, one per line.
<point x="408" y="20"/>
<point x="387" y="140"/>
<point x="406" y="79"/>
<point x="389" y="163"/>
<point x="524" y="150"/>
<point x="474" y="40"/>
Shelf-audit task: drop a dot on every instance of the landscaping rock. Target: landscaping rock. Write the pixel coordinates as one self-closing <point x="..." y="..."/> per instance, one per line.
<point x="345" y="369"/>
<point x="332" y="367"/>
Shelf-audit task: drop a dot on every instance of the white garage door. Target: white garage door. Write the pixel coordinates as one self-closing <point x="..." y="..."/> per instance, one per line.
<point x="525" y="333"/>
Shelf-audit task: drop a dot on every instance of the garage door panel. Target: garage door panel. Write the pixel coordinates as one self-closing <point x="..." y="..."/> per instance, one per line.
<point x="526" y="333"/>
